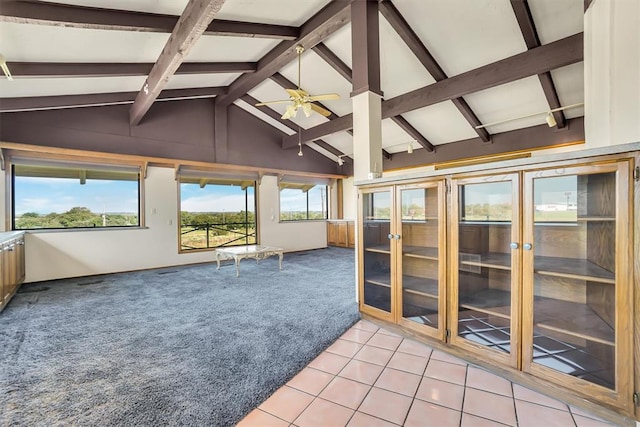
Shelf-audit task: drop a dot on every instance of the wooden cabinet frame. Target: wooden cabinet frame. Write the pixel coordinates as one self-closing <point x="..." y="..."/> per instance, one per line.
<point x="625" y="162"/>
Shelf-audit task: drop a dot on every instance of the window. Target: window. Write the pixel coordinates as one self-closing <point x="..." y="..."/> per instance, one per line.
<point x="300" y="202"/>
<point x="50" y="195"/>
<point x="216" y="212"/>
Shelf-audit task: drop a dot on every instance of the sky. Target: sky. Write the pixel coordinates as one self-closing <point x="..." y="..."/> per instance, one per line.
<point x="47" y="195"/>
<point x="214" y="198"/>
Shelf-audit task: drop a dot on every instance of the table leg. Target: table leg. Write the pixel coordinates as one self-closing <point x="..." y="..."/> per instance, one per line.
<point x="280" y="255"/>
<point x="237" y="266"/>
<point x="218" y="259"/>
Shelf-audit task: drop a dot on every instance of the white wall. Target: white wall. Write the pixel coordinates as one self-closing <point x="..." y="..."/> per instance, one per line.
<point x="292" y="236"/>
<point x="612" y="72"/>
<point x="61" y="254"/>
<point x="349" y="199"/>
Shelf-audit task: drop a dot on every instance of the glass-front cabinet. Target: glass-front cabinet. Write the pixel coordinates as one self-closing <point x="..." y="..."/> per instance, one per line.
<point x="577" y="279"/>
<point x="530" y="268"/>
<point x="403" y="262"/>
<point x="484" y="293"/>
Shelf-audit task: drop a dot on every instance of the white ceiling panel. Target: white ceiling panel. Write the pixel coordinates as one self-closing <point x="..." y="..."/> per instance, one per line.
<point x="462" y="34"/>
<point x="69" y="86"/>
<point x="183" y="81"/>
<point x="393" y="136"/>
<point x="230" y="49"/>
<point x="569" y="82"/>
<point x="511" y="101"/>
<point x="318" y="77"/>
<point x="400" y="71"/>
<point x="42" y="43"/>
<point x="164" y="7"/>
<point x="557" y="19"/>
<point x="340" y="44"/>
<point x="342" y="141"/>
<point x="441" y="123"/>
<point x="281" y="12"/>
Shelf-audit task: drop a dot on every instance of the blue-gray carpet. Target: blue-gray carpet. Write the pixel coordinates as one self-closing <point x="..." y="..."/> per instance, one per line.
<point x="175" y="346"/>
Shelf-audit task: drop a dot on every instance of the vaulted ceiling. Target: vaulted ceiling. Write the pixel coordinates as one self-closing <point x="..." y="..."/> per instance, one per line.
<point x="450" y="70"/>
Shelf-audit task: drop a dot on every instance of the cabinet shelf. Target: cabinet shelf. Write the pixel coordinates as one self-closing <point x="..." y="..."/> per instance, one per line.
<point x="378" y="279"/>
<point x="572" y="319"/>
<point x="570" y="268"/>
<point x="491" y="260"/>
<point x="573" y="268"/>
<point x="489" y="301"/>
<point x="420" y="286"/>
<point x="381" y="249"/>
<point x="596" y="218"/>
<point x="420" y="252"/>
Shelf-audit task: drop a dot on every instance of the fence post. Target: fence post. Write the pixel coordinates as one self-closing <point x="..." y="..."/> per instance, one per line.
<point x="207" y="235"/>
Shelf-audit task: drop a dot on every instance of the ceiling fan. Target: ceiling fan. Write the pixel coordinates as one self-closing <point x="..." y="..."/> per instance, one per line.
<point x="300" y="99"/>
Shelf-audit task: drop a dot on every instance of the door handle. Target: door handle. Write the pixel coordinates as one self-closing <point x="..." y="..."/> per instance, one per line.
<point x="527" y="246"/>
<point x="389" y="236"/>
<point x="514" y="245"/>
<point x="397" y="237"/>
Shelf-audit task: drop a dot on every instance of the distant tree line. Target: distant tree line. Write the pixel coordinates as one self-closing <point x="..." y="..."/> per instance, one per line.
<point x="77" y="217"/>
<point x="203" y="218"/>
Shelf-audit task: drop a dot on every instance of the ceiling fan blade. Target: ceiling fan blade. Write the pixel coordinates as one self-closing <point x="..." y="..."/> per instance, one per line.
<point x="320" y="110"/>
<point x="296" y="93"/>
<point x="281" y="101"/>
<point x="324" y="97"/>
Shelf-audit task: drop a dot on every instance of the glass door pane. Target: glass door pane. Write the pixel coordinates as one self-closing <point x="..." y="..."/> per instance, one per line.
<point x="574" y="277"/>
<point x="376" y="208"/>
<point x="486" y="211"/>
<point x="420" y="255"/>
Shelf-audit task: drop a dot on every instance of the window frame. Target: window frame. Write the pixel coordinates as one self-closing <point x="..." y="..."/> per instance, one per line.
<point x="302" y="187"/>
<point x="71" y="162"/>
<point x="211" y="178"/>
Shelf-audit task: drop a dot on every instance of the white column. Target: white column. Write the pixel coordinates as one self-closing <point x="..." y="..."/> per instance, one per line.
<point x="367" y="136"/>
<point x="612" y="72"/>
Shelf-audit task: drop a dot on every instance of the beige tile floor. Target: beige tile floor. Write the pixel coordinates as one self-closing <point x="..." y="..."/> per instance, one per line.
<point x="372" y="377"/>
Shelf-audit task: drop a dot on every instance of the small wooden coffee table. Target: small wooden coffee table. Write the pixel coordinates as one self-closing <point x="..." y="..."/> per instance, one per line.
<point x="258" y="252"/>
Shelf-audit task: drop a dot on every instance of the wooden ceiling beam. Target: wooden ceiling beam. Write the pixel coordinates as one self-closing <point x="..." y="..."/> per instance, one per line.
<point x="42" y="13"/>
<point x="35" y="103"/>
<point x="91" y="69"/>
<point x="332" y="17"/>
<point x="197" y="15"/>
<point x="346" y="72"/>
<point x="560" y="53"/>
<point x="528" y="28"/>
<point x="413" y="132"/>
<point x="411" y="39"/>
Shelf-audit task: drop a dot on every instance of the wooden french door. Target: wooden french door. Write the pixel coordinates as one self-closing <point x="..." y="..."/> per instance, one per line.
<point x="484" y="292"/>
<point x="577" y="279"/>
<point x="421" y="257"/>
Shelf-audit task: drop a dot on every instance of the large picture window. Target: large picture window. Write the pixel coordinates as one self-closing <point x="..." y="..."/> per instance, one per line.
<point x="47" y="195"/>
<point x="216" y="212"/>
<point x="301" y="202"/>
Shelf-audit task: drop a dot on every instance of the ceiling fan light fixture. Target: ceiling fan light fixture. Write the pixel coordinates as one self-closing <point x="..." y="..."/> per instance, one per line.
<point x="300" y="142"/>
<point x="5" y="68"/>
<point x="551" y="121"/>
